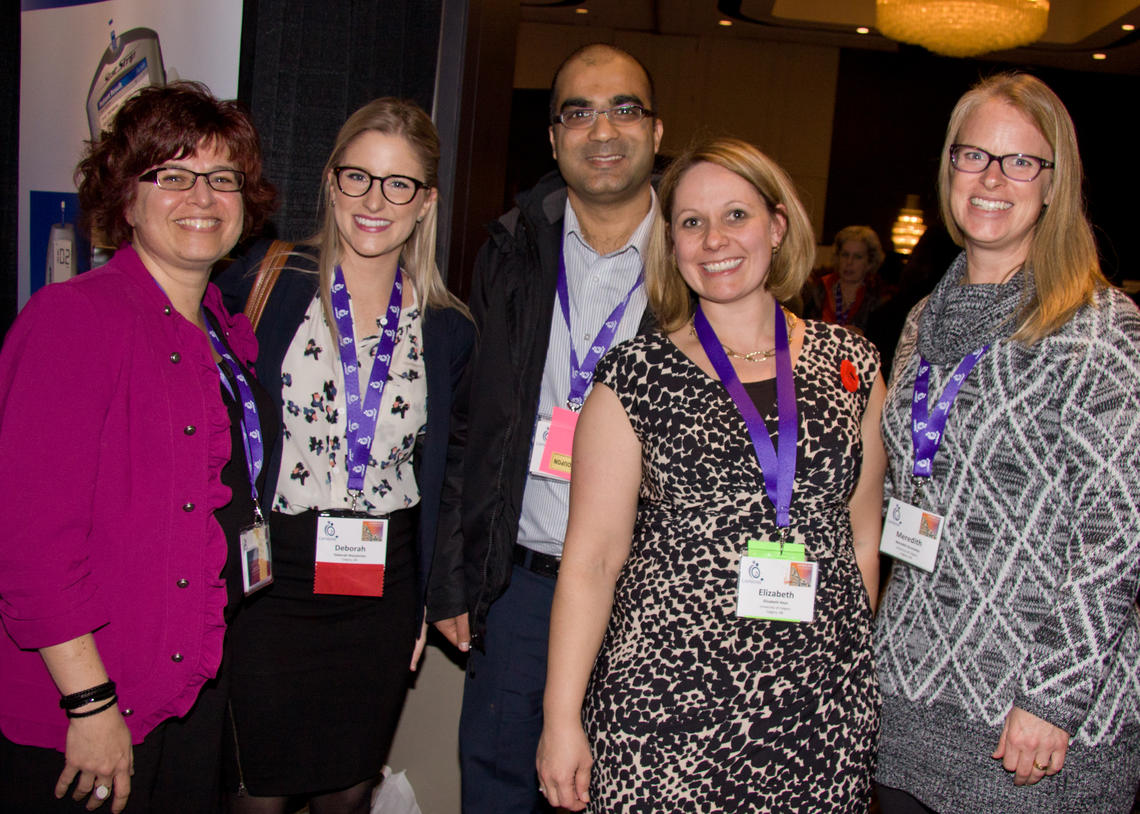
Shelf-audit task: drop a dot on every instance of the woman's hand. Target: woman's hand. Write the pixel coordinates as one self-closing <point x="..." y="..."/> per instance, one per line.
<point x="99" y="754"/>
<point x="563" y="763"/>
<point x="1030" y="747"/>
<point x="421" y="640"/>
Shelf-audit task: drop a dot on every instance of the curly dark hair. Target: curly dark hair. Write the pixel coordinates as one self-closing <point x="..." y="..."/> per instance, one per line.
<point x="163" y="124"/>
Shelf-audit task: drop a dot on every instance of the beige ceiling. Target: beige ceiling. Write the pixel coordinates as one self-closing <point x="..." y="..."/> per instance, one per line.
<point x="1077" y="28"/>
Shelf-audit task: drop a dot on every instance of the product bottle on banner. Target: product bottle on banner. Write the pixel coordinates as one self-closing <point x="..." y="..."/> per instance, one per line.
<point x="61" y="250"/>
<point x="129" y="64"/>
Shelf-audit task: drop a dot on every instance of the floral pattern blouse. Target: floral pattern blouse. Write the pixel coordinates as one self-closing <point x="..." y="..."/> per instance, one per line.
<point x="313" y="473"/>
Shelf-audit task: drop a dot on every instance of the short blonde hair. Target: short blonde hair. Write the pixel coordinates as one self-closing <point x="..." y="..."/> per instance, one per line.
<point x="1062" y="255"/>
<point x="868" y="237"/>
<point x="669" y="295"/>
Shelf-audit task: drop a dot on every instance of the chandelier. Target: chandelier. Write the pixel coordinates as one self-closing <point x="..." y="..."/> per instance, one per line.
<point x="908" y="227"/>
<point x="963" y="28"/>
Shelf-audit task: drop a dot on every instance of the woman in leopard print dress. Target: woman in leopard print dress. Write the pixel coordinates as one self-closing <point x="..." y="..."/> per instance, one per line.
<point x="689" y="702"/>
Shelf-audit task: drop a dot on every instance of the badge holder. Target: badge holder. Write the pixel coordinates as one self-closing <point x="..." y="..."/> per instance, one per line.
<point x="256" y="554"/>
<point x="553" y="446"/>
<point x="351" y="550"/>
<point x="777" y="582"/>
<point x="912" y="534"/>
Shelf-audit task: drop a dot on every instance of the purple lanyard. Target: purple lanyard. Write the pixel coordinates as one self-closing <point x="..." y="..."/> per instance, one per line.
<point x="581" y="375"/>
<point x="250" y="422"/>
<point x="361" y="417"/>
<point x="926" y="425"/>
<point x="779" y="466"/>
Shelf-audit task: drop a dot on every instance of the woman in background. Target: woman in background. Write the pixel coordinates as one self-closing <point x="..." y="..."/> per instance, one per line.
<point x="718" y="461"/>
<point x="368" y="347"/>
<point x="1008" y="643"/>
<point x="123" y="392"/>
<point x="849" y="294"/>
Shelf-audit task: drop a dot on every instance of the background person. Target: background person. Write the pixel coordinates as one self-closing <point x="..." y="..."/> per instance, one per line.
<point x="115" y="429"/>
<point x="592" y="218"/>
<point x="1010" y="670"/>
<point x="320" y="676"/>
<point x="848" y="295"/>
<point x="699" y="700"/>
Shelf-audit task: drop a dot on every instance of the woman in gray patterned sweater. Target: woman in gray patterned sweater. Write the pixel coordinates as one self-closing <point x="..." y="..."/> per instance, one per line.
<point x="1008" y="642"/>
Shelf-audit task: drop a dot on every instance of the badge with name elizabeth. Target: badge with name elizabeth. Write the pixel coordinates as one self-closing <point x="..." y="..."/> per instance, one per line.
<point x="776" y="582"/>
<point x="911" y="534"/>
<point x="351" y="551"/>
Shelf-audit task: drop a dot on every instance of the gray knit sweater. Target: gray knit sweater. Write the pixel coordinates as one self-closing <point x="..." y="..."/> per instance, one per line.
<point x="1033" y="598"/>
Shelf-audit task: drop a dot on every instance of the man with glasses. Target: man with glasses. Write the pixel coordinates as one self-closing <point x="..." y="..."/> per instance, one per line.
<point x="557" y="284"/>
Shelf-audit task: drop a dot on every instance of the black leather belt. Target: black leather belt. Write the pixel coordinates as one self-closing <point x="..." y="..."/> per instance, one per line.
<point x="545" y="565"/>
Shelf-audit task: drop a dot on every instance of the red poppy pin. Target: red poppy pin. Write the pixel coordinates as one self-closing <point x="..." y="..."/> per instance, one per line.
<point x="848" y="375"/>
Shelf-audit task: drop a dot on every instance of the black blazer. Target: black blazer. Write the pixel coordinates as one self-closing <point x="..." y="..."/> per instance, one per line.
<point x="448" y="340"/>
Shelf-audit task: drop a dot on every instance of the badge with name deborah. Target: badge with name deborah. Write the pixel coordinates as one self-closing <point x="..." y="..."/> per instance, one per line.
<point x="911" y="534"/>
<point x="776" y="582"/>
<point x="553" y="445"/>
<point x="256" y="557"/>
<point x="351" y="551"/>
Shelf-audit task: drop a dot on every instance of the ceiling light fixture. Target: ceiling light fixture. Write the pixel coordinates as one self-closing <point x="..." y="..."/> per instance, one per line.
<point x="963" y="28"/>
<point x="862" y="30"/>
<point x="1099" y="56"/>
<point x="1128" y="27"/>
<point x="725" y="23"/>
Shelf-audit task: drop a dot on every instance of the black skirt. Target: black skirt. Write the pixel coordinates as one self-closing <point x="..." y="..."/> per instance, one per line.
<point x="318" y="681"/>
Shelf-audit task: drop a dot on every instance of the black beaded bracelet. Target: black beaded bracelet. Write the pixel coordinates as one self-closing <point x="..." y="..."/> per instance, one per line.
<point x="78" y="699"/>
<point x="88" y="713"/>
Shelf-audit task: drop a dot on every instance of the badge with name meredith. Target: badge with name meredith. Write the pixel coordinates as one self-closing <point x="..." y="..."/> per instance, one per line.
<point x="911" y="534"/>
<point x="351" y="551"/>
<point x="553" y="445"/>
<point x="776" y="582"/>
<point x="256" y="558"/>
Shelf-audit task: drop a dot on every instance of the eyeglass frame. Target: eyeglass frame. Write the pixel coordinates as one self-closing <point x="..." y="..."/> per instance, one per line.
<point x="372" y="179"/>
<point x="152" y="177"/>
<point x="1045" y="163"/>
<point x="646" y="113"/>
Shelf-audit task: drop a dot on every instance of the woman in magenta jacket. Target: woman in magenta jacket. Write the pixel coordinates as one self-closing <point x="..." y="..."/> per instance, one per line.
<point x="115" y="432"/>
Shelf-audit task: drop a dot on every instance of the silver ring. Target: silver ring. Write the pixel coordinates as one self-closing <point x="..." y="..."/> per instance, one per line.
<point x="102" y="792"/>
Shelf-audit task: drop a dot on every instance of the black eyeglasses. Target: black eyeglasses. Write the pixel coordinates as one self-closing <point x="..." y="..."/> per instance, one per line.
<point x="1014" y="166"/>
<point x="398" y="189"/>
<point x="177" y="179"/>
<point x="579" y="118"/>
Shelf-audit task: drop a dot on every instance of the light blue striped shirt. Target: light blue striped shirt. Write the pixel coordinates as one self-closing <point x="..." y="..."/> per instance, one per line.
<point x="597" y="283"/>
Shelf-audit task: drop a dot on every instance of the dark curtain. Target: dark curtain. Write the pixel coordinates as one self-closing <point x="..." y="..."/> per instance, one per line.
<point x="9" y="159"/>
<point x="307" y="64"/>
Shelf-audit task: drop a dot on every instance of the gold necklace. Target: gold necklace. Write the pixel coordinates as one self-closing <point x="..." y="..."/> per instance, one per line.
<point x="756" y="355"/>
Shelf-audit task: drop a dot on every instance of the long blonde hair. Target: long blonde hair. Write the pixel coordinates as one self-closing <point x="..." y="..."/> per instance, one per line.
<point x="1062" y="255"/>
<point x="396" y="117"/>
<point x="669" y="296"/>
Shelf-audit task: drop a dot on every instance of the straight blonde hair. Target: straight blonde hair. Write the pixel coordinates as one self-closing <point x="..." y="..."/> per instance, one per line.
<point x="1062" y="255"/>
<point x="395" y="117"/>
<point x="669" y="296"/>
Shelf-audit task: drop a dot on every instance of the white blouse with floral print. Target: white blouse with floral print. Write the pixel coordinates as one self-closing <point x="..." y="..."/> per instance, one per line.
<point x="313" y="473"/>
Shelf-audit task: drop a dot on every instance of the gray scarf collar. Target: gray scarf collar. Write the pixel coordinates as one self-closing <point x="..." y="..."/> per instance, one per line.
<point x="960" y="318"/>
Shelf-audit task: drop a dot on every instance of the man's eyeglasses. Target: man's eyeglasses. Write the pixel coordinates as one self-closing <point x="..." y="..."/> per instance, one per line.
<point x="398" y="189"/>
<point x="579" y="118"/>
<point x="176" y="179"/>
<point x="1014" y="166"/>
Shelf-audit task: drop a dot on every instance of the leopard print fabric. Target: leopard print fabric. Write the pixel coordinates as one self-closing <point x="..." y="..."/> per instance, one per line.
<point x="691" y="708"/>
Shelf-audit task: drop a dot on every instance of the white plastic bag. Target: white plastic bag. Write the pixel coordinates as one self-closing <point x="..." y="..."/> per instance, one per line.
<point x="394" y="795"/>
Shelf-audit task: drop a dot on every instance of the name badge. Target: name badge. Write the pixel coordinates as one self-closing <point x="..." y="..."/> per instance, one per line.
<point x="256" y="558"/>
<point x="553" y="445"/>
<point x="351" y="551"/>
<point x="911" y="534"/>
<point x="776" y="582"/>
